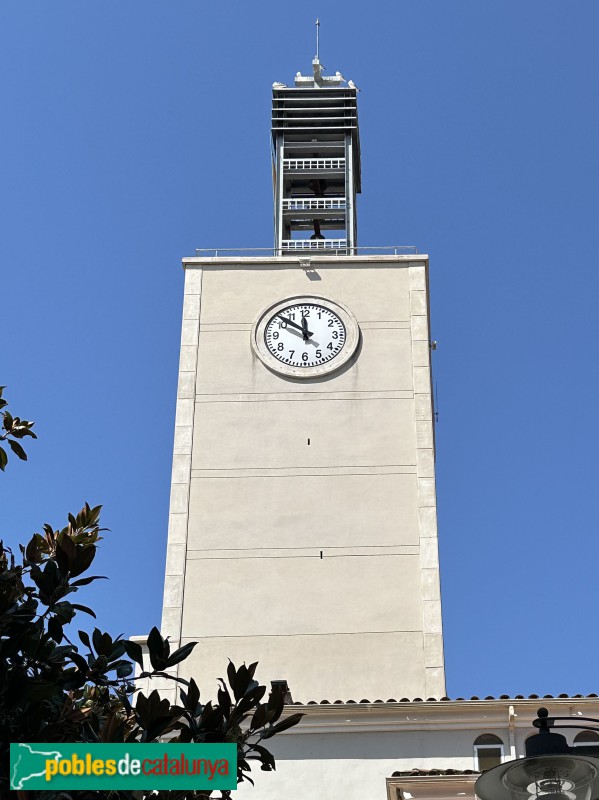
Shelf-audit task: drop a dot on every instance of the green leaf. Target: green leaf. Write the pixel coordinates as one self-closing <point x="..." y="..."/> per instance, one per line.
<point x="288" y="722"/>
<point x="85" y="581"/>
<point x="55" y="629"/>
<point x="242" y="682"/>
<point x="66" y="544"/>
<point x="3" y="459"/>
<point x="231" y="674"/>
<point x="123" y="669"/>
<point x="118" y="649"/>
<point x="36" y="549"/>
<point x="85" y="609"/>
<point x="224" y="699"/>
<point x="158" y="648"/>
<point x="21" y="432"/>
<point x="135" y="652"/>
<point x="79" y="662"/>
<point x="180" y="654"/>
<point x="262" y="716"/>
<point x="64" y="612"/>
<point x="155" y="641"/>
<point x="276" y="702"/>
<point x="193" y="696"/>
<point x="266" y="757"/>
<point x="85" y="639"/>
<point x="17" y="450"/>
<point x="83" y="559"/>
<point x="103" y="644"/>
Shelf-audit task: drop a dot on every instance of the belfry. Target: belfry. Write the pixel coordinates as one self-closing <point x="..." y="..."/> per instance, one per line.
<point x="316" y="160"/>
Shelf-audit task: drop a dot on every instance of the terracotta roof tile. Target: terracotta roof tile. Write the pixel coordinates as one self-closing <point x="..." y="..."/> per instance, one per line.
<point x="415" y="773"/>
<point x="366" y="701"/>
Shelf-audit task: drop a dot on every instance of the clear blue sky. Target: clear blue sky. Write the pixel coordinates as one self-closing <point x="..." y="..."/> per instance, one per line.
<point x="135" y="132"/>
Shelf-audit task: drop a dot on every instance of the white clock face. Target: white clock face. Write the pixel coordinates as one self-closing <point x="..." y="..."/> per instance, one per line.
<point x="305" y="336"/>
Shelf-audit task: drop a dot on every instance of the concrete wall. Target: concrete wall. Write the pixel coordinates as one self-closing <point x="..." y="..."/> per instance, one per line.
<point x="318" y="560"/>
<point x="354" y="766"/>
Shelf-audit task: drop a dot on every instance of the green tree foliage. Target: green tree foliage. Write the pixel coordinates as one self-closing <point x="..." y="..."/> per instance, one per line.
<point x="53" y="689"/>
<point x="13" y="428"/>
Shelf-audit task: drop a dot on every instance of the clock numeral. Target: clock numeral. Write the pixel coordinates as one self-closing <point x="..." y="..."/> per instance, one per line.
<point x="282" y="324"/>
<point x="304" y="356"/>
<point x="275" y="335"/>
<point x="319" y="354"/>
<point x="280" y="346"/>
<point x="320" y="315"/>
<point x="330" y="346"/>
<point x="291" y="352"/>
<point x="335" y="335"/>
<point x="331" y="323"/>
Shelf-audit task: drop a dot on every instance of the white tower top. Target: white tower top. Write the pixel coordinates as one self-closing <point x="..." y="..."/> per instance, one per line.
<point x="317" y="79"/>
<point x="316" y="161"/>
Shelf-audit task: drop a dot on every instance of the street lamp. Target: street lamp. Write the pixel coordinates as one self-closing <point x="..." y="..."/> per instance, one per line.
<point x="552" y="770"/>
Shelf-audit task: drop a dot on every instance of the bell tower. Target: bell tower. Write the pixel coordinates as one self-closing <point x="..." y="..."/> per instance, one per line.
<point x="302" y="527"/>
<point x="316" y="163"/>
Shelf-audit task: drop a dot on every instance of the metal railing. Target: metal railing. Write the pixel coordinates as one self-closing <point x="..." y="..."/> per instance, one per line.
<point x="316" y="203"/>
<point x="314" y="244"/>
<point x="269" y="252"/>
<point x="314" y="163"/>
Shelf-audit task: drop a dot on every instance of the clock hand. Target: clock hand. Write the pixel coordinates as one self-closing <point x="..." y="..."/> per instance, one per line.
<point x="299" y="334"/>
<point x="305" y="332"/>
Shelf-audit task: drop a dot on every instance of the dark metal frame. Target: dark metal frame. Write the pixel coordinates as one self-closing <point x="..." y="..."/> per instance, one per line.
<point x="316" y="120"/>
<point x="547" y="743"/>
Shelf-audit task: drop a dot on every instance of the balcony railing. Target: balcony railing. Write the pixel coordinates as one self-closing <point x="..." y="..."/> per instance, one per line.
<point x="269" y="252"/>
<point x="314" y="204"/>
<point x="314" y="163"/>
<point x="314" y="244"/>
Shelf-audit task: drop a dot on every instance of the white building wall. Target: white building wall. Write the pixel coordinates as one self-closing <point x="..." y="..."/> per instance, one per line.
<point x="351" y="752"/>
<point x="303" y="520"/>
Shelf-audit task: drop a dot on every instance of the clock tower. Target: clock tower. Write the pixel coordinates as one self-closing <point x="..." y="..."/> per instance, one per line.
<point x="302" y="529"/>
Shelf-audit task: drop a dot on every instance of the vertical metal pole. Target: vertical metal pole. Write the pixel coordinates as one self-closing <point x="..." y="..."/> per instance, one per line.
<point x="350" y="228"/>
<point x="317" y="42"/>
<point x="280" y="176"/>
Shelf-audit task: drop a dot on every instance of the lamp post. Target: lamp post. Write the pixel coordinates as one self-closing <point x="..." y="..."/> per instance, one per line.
<point x="552" y="770"/>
